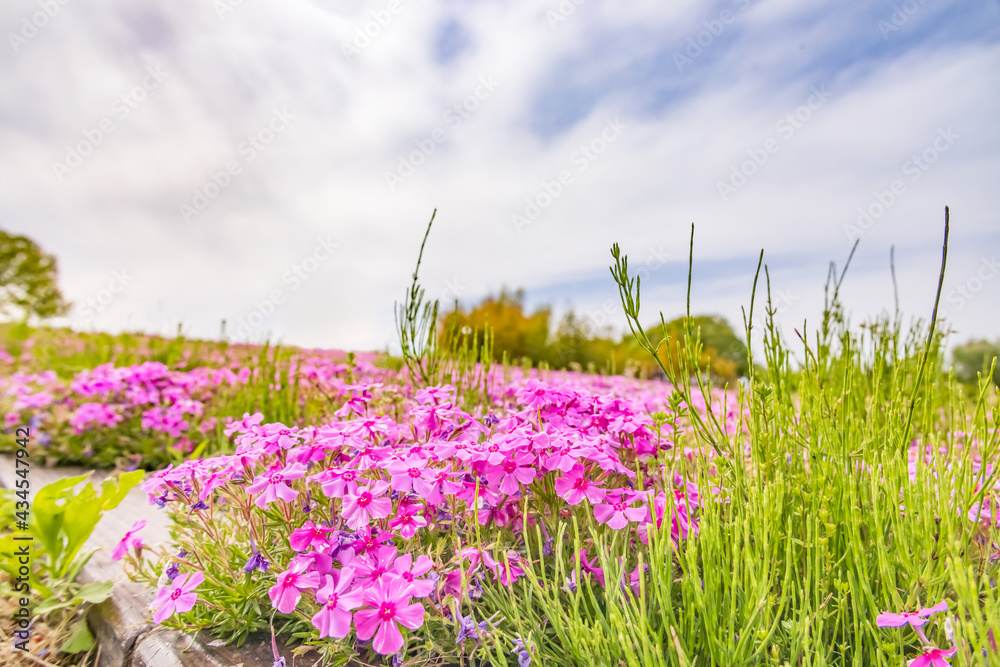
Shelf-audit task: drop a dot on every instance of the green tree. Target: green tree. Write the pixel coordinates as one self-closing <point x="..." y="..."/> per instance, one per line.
<point x="514" y="331"/>
<point x="975" y="357"/>
<point x="723" y="353"/>
<point x="28" y="280"/>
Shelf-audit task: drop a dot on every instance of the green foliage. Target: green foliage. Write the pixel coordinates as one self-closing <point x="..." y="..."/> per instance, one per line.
<point x="516" y="334"/>
<point x="723" y="353"/>
<point x="813" y="519"/>
<point x="63" y="516"/>
<point x="975" y="357"/>
<point x="416" y="325"/>
<point x="28" y="285"/>
<point x="576" y="345"/>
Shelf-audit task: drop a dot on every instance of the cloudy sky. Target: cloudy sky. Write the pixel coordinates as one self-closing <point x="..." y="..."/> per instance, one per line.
<point x="274" y="164"/>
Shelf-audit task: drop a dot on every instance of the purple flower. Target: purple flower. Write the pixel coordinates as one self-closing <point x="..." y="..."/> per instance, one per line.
<point x="523" y="655"/>
<point x="171" y="571"/>
<point x="467" y="629"/>
<point x="256" y="560"/>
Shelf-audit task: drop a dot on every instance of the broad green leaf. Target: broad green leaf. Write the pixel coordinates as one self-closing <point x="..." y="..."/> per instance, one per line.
<point x="94" y="593"/>
<point x="85" y="509"/>
<point x="48" y="511"/>
<point x="114" y="491"/>
<point x="51" y="604"/>
<point x="79" y="640"/>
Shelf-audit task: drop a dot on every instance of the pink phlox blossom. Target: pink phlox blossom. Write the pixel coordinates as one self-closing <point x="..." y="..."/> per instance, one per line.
<point x="573" y="487"/>
<point x="617" y="512"/>
<point x="914" y="619"/>
<point x="179" y="597"/>
<point x="273" y="484"/>
<point x="366" y="503"/>
<point x="337" y="482"/>
<point x="933" y="657"/>
<point x="434" y="395"/>
<point x="88" y="415"/>
<point x="337" y="600"/>
<point x="403" y="474"/>
<point x="309" y="535"/>
<point x="390" y="606"/>
<point x="591" y="567"/>
<point x="408" y="522"/>
<point x="511" y="472"/>
<point x="409" y="570"/>
<point x="369" y="568"/>
<point x="129" y="541"/>
<point x="287" y="592"/>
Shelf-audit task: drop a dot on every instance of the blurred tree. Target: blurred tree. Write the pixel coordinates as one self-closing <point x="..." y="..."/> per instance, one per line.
<point x="975" y="357"/>
<point x="723" y="353"/>
<point x="514" y="331"/>
<point x="574" y="344"/>
<point x="28" y="280"/>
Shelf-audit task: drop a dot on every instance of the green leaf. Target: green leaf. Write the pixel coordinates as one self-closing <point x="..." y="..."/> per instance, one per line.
<point x="80" y="640"/>
<point x="51" y="605"/>
<point x="48" y="511"/>
<point x="94" y="593"/>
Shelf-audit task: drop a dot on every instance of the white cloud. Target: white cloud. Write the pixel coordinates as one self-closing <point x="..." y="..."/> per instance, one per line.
<point x="354" y="118"/>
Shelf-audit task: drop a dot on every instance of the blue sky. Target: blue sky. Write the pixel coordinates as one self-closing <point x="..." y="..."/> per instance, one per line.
<point x="274" y="164"/>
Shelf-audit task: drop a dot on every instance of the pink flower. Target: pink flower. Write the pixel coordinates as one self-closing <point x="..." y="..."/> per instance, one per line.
<point x="436" y="484"/>
<point x="285" y="594"/>
<point x="334" y="618"/>
<point x="365" y="504"/>
<point x="274" y="484"/>
<point x="390" y="599"/>
<point x="178" y="597"/>
<point x="309" y="535"/>
<point x="407" y="523"/>
<point x="370" y="567"/>
<point x="591" y="567"/>
<point x="511" y="471"/>
<point x="935" y="657"/>
<point x="405" y="473"/>
<point x="131" y="540"/>
<point x="916" y="620"/>
<point x="617" y="514"/>
<point x="574" y="487"/>
<point x="409" y="571"/>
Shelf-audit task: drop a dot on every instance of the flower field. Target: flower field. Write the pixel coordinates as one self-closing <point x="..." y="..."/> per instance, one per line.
<point x="841" y="506"/>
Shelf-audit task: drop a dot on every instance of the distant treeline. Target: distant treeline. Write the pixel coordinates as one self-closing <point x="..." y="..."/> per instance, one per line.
<point x="581" y="343"/>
